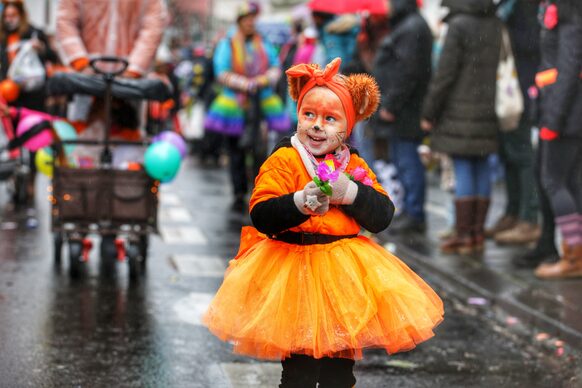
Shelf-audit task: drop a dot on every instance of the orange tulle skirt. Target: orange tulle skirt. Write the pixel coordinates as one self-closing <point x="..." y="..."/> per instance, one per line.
<point x="328" y="300"/>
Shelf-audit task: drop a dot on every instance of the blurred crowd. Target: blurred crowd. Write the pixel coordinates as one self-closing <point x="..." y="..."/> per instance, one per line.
<point x="443" y="112"/>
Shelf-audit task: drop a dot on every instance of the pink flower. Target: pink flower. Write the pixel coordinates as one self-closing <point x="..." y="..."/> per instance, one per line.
<point x="361" y="175"/>
<point x="551" y="17"/>
<point x="325" y="173"/>
<point x="367" y="181"/>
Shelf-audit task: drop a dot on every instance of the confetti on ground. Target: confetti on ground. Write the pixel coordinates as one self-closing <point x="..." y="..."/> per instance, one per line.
<point x="512" y="321"/>
<point x="559" y="343"/>
<point x="477" y="301"/>
<point x="560" y="352"/>
<point x="542" y="336"/>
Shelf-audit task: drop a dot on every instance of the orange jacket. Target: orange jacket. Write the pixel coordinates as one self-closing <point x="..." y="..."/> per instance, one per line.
<point x="284" y="173"/>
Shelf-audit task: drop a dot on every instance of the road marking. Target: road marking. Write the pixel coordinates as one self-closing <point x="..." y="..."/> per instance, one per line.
<point x="262" y="375"/>
<point x="198" y="265"/>
<point x="191" y="308"/>
<point x="188" y="235"/>
<point x="170" y="199"/>
<point x="175" y="214"/>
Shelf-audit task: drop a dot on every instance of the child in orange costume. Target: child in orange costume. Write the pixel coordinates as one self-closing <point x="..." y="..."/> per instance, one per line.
<point x="305" y="288"/>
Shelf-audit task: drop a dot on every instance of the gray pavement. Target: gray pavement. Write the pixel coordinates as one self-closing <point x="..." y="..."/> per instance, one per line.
<point x="549" y="306"/>
<point x="104" y="331"/>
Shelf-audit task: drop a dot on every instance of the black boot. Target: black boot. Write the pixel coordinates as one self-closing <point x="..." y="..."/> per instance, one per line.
<point x="299" y="371"/>
<point x="337" y="373"/>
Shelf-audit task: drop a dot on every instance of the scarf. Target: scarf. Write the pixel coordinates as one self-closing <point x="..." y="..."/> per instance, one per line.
<point x="310" y="161"/>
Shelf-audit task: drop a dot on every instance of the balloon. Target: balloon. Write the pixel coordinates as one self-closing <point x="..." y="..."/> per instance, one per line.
<point x="42" y="138"/>
<point x="172" y="138"/>
<point x="44" y="161"/>
<point x="9" y="90"/>
<point x="162" y="161"/>
<point x="66" y="132"/>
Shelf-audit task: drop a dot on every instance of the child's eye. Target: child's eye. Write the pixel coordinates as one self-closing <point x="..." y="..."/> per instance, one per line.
<point x="330" y="119"/>
<point x="309" y="115"/>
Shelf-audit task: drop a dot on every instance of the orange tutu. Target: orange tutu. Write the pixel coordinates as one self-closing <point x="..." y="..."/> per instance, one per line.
<point x="330" y="300"/>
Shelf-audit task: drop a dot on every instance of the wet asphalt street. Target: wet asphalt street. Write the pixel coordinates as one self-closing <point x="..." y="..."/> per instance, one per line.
<point x="104" y="331"/>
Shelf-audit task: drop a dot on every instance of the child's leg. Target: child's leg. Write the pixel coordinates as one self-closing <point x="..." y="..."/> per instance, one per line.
<point x="299" y="371"/>
<point x="337" y="373"/>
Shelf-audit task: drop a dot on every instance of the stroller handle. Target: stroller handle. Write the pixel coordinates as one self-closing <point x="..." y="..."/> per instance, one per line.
<point x="122" y="62"/>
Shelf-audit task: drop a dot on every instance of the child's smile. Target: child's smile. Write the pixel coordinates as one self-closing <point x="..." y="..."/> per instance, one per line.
<point x="322" y="121"/>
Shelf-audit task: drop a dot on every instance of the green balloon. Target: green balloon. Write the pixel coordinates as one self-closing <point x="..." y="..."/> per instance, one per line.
<point x="162" y="161"/>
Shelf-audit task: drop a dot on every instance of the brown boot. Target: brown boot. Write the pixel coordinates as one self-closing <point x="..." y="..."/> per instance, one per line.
<point x="481" y="209"/>
<point x="462" y="241"/>
<point x="504" y="223"/>
<point x="569" y="266"/>
<point x="522" y="233"/>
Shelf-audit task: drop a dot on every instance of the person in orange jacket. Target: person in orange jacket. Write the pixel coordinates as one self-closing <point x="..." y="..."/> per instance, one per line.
<point x="306" y="288"/>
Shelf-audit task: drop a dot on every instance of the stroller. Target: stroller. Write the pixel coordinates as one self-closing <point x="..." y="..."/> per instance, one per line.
<point x="119" y="205"/>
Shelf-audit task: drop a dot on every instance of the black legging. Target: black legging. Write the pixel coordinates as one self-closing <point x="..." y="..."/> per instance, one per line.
<point x="561" y="169"/>
<point x="300" y="371"/>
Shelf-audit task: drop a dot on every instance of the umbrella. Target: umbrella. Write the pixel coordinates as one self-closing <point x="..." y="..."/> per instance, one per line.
<point x="349" y="6"/>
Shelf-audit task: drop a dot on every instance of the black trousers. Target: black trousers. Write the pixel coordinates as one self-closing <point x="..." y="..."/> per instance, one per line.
<point x="301" y="371"/>
<point x="561" y="168"/>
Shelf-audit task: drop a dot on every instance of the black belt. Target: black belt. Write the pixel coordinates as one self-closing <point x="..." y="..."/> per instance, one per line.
<point x="301" y="238"/>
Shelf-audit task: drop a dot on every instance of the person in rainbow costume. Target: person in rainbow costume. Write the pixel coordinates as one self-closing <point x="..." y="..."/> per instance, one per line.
<point x="306" y="288"/>
<point x="247" y="67"/>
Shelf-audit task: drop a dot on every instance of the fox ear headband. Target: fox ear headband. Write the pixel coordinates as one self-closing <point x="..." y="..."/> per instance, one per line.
<point x="358" y="93"/>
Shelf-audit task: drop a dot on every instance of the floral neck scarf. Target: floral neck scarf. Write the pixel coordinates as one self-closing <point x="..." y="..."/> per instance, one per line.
<point x="310" y="161"/>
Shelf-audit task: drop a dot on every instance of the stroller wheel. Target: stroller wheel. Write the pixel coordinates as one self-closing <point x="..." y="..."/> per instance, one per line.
<point x="135" y="261"/>
<point x="75" y="259"/>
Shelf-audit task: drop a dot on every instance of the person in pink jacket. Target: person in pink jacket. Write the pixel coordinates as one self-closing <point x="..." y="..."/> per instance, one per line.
<point x="130" y="28"/>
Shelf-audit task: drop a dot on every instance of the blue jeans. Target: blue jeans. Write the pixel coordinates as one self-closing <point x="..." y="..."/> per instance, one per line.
<point x="472" y="175"/>
<point x="404" y="155"/>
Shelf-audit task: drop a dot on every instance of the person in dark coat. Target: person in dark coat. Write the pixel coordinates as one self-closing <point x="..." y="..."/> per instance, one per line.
<point x="459" y="110"/>
<point x="402" y="67"/>
<point x="15" y="29"/>
<point x="519" y="223"/>
<point x="560" y="83"/>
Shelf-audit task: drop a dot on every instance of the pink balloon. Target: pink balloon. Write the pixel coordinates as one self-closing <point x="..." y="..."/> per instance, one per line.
<point x="42" y="138"/>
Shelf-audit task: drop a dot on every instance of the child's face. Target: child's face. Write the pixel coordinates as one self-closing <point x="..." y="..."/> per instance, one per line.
<point x="322" y="121"/>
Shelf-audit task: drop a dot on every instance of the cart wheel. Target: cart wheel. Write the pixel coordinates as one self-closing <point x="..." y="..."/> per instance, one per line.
<point x="58" y="247"/>
<point x="135" y="261"/>
<point x="75" y="260"/>
<point x="107" y="248"/>
<point x="144" y="242"/>
<point x="20" y="195"/>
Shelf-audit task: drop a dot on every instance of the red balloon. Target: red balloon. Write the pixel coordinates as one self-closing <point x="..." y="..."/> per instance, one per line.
<point x="9" y="90"/>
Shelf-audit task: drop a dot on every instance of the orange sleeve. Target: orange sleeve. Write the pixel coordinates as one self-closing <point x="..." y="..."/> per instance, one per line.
<point x="80" y="63"/>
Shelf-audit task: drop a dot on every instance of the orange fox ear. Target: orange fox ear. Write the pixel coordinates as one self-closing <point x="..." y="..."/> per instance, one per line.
<point x="365" y="94"/>
<point x="296" y="83"/>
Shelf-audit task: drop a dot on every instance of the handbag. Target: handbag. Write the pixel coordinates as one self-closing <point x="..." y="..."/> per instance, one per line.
<point x="508" y="97"/>
<point x="191" y="121"/>
<point x="27" y="69"/>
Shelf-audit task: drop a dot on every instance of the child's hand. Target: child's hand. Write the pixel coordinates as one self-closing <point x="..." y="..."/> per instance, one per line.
<point x="344" y="191"/>
<point x="311" y="200"/>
